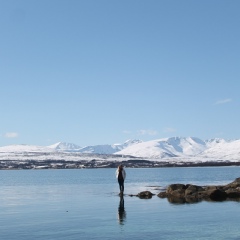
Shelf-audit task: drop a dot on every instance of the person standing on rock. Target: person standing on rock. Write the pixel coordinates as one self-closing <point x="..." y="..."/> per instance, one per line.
<point x="121" y="175"/>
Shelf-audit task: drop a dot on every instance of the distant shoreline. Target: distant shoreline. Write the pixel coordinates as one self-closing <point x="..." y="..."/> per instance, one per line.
<point x="65" y="164"/>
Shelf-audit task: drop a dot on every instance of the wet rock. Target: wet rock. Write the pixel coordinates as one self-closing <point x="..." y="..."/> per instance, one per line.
<point x="175" y="187"/>
<point x="176" y="190"/>
<point x="192" y="190"/>
<point x="162" y="195"/>
<point x="235" y="184"/>
<point x="218" y="195"/>
<point x="233" y="193"/>
<point x="192" y="199"/>
<point x="211" y="188"/>
<point x="180" y="193"/>
<point x="145" y="195"/>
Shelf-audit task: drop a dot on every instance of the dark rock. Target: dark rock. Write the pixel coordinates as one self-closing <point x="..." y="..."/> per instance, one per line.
<point x="193" y="199"/>
<point x="233" y="193"/>
<point x="174" y="187"/>
<point x="192" y="190"/>
<point x="145" y="195"/>
<point x="162" y="195"/>
<point x="218" y="195"/>
<point x="234" y="184"/>
<point x="176" y="190"/>
<point x="211" y="188"/>
<point x="180" y="193"/>
<point x="203" y="195"/>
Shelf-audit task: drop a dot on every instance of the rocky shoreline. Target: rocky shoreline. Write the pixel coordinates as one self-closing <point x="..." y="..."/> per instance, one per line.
<point x="65" y="164"/>
<point x="188" y="193"/>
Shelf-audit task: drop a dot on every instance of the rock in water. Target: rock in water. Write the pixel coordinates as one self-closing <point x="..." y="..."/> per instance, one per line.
<point x="145" y="195"/>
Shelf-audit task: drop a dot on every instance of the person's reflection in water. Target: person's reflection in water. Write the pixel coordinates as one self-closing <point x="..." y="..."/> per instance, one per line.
<point x="121" y="211"/>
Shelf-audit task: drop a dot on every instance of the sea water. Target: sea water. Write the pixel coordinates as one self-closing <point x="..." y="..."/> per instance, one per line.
<point x="84" y="204"/>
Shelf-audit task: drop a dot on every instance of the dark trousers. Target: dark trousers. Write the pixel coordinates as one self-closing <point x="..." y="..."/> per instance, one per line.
<point x="121" y="184"/>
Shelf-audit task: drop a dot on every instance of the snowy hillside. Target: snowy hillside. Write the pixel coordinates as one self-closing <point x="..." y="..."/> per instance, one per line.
<point x="223" y="150"/>
<point x="100" y="149"/>
<point x="171" y="149"/>
<point x="166" y="147"/>
<point x="108" y="149"/>
<point x="63" y="146"/>
<point x="214" y="141"/>
<point x="24" y="148"/>
<point x="213" y="149"/>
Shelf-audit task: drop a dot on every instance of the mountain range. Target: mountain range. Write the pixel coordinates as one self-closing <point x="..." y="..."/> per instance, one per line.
<point x="173" y="147"/>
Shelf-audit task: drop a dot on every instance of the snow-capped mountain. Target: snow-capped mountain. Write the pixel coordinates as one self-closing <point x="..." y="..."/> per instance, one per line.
<point x="166" y="147"/>
<point x="128" y="143"/>
<point x="226" y="150"/>
<point x="63" y="146"/>
<point x="24" y="148"/>
<point x="184" y="148"/>
<point x="212" y="149"/>
<point x="108" y="149"/>
<point x="99" y="149"/>
<point x="214" y="141"/>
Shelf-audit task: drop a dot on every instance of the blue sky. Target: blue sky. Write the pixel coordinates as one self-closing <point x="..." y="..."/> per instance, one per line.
<point x="103" y="71"/>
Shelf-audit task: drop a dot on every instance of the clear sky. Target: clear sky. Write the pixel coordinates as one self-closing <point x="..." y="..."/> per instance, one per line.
<point x="103" y="71"/>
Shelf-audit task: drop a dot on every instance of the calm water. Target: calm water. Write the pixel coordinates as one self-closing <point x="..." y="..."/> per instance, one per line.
<point x="84" y="204"/>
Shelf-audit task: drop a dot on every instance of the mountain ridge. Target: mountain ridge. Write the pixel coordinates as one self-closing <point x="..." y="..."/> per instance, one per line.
<point x="172" y="147"/>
